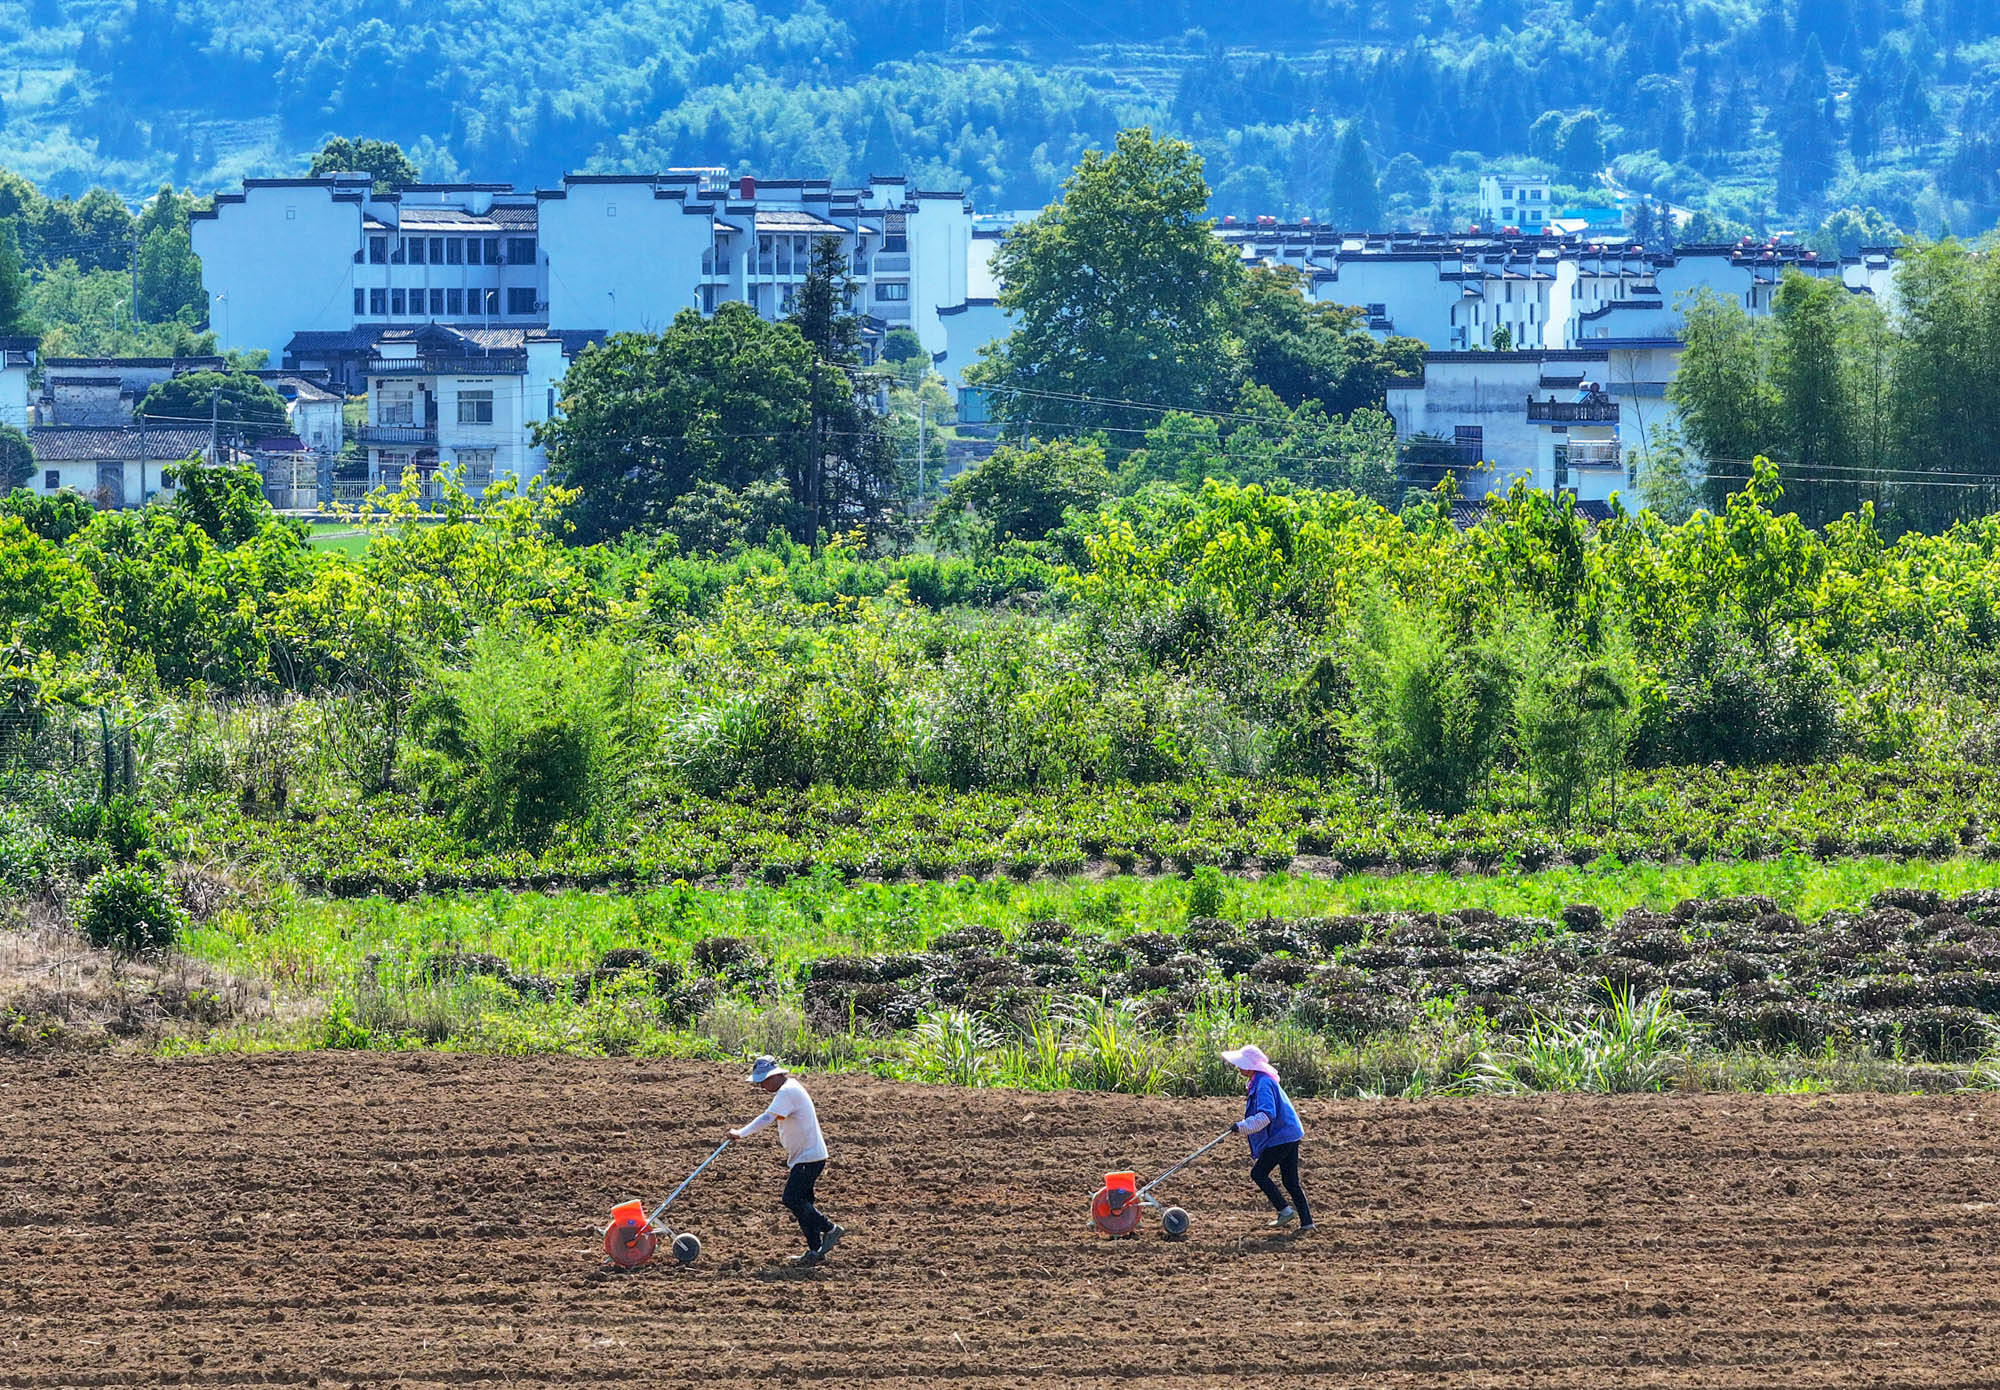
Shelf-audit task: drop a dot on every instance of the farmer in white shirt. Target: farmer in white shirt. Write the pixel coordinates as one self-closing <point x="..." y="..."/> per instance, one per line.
<point x="791" y="1109"/>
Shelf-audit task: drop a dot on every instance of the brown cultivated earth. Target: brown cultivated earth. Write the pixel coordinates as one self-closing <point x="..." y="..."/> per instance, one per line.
<point x="422" y="1220"/>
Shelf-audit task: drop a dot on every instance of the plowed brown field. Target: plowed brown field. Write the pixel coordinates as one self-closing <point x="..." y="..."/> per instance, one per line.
<point x="426" y="1220"/>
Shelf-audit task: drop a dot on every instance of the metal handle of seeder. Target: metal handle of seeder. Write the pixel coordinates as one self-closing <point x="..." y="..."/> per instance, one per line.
<point x="661" y="1208"/>
<point x="1141" y="1193"/>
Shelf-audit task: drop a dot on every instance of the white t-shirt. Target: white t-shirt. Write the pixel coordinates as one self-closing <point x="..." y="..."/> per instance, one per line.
<point x="791" y="1109"/>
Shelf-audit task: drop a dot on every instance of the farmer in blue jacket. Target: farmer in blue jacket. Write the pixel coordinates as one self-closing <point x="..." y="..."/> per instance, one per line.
<point x="1274" y="1132"/>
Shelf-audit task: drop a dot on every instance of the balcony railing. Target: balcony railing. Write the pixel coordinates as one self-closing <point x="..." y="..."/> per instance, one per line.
<point x="892" y="260"/>
<point x="1572" y="412"/>
<point x="396" y="434"/>
<point x="1594" y="454"/>
<point x="493" y="364"/>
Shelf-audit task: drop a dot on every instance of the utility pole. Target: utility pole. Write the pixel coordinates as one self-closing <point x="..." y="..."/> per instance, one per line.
<point x="214" y="399"/>
<point x="135" y="275"/>
<point x="923" y="447"/>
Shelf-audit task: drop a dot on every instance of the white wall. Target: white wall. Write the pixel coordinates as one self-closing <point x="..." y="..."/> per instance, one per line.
<point x="966" y="331"/>
<point x="620" y="258"/>
<point x="940" y="232"/>
<point x="279" y="262"/>
<point x="318" y="423"/>
<point x="15" y="401"/>
<point x="1420" y="304"/>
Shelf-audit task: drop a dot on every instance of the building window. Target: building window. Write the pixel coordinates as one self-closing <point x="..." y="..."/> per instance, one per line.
<point x="360" y="302"/>
<point x="521" y="300"/>
<point x="454" y="302"/>
<point x="414" y="248"/>
<point x="52" y="480"/>
<point x="892" y="291"/>
<point x="454" y="251"/>
<point x="378" y="302"/>
<point x="398" y="302"/>
<point x="437" y="303"/>
<point x="395" y="405"/>
<point x="895" y="231"/>
<point x="437" y="250"/>
<point x="492" y="245"/>
<point x="475" y="407"/>
<point x="520" y="250"/>
<point x="378" y="250"/>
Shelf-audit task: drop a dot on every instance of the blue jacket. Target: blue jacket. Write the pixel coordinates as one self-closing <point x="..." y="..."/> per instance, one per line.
<point x="1268" y="1097"/>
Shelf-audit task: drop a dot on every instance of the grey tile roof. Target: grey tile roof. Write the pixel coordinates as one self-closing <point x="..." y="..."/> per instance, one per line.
<point x="114" y="443"/>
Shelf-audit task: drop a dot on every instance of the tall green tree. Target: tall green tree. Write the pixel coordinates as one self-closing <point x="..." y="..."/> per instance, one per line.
<point x="646" y="416"/>
<point x="17" y="459"/>
<point x="15" y="316"/>
<point x="382" y="158"/>
<point x="1356" y="198"/>
<point x="1022" y="493"/>
<point x="1814" y="445"/>
<point x="170" y="287"/>
<point x="1945" y="392"/>
<point x="846" y="471"/>
<point x="1580" y="146"/>
<point x="243" y="405"/>
<point x="1722" y="389"/>
<point x="1119" y="291"/>
<point x="1309" y="350"/>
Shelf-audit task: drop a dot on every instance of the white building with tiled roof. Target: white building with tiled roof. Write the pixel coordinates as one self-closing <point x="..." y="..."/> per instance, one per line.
<point x="286" y="258"/>
<point x="447" y="400"/>
<point x="1453" y="292"/>
<point x="113" y="465"/>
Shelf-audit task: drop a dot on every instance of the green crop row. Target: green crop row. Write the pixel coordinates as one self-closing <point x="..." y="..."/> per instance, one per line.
<point x="394" y="846"/>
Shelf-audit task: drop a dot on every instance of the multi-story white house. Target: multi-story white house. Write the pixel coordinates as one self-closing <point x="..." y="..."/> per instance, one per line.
<point x="599" y="253"/>
<point x="1519" y="201"/>
<point x="1558" y="419"/>
<point x="1453" y="292"/>
<point x="460" y="400"/>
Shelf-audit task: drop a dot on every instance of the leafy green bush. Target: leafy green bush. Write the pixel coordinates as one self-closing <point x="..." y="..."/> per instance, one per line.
<point x="527" y="738"/>
<point x="129" y="910"/>
<point x="1573" y="713"/>
<point x="1432" y="708"/>
<point x="1742" y="697"/>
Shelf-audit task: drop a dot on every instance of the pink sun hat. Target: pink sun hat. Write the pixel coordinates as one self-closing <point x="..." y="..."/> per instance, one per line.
<point x="1250" y="1057"/>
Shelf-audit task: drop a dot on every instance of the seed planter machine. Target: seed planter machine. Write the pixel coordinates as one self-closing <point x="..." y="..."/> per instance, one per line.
<point x="1116" y="1208"/>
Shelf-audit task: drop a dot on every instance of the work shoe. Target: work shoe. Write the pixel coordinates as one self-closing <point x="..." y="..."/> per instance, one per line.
<point x="1308" y="1228"/>
<point x="811" y="1257"/>
<point x="831" y="1239"/>
<point x="1285" y="1217"/>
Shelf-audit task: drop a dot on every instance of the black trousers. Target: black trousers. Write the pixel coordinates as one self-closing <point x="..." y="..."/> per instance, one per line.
<point x="1285" y="1158"/>
<point x="798" y="1199"/>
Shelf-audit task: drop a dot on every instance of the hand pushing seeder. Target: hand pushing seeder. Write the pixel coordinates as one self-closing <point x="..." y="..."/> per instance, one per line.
<point x="633" y="1236"/>
<point x="1115" y="1209"/>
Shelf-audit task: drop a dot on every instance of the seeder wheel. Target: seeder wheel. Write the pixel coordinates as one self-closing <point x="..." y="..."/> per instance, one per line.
<point x="1174" y="1222"/>
<point x="686" y="1248"/>
<point x="1116" y="1213"/>
<point x="629" y="1243"/>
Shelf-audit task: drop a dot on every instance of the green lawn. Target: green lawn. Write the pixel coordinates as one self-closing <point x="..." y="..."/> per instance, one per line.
<point x="343" y="536"/>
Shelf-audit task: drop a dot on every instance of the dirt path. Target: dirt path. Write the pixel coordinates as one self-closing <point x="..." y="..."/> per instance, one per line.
<point x="423" y="1220"/>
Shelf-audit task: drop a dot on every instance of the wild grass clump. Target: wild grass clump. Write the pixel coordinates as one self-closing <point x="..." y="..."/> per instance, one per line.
<point x="1628" y="1047"/>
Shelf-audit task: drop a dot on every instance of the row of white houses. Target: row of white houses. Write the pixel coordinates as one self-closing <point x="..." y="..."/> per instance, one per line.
<point x="454" y="309"/>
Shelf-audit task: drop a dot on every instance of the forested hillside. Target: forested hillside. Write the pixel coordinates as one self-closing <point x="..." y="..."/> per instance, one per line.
<point x="1766" y="113"/>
